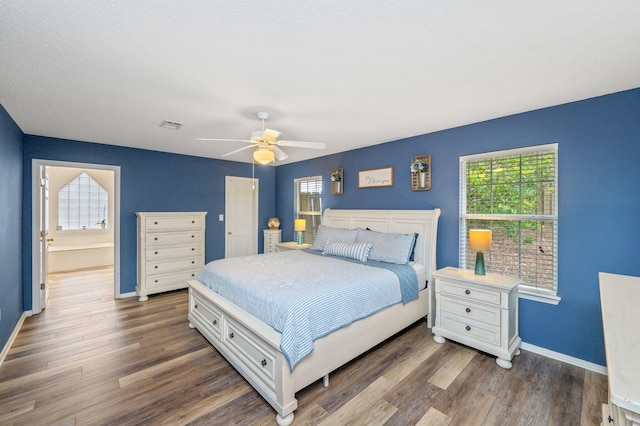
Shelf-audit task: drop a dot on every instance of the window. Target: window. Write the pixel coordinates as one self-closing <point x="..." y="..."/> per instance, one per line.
<point x="308" y="204"/>
<point x="82" y="204"/>
<point x="514" y="194"/>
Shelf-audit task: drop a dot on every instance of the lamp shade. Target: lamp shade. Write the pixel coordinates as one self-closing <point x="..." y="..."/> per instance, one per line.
<point x="300" y="225"/>
<point x="263" y="155"/>
<point x="480" y="239"/>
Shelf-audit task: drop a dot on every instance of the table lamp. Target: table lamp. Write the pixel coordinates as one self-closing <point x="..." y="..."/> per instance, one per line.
<point x="300" y="225"/>
<point x="480" y="239"/>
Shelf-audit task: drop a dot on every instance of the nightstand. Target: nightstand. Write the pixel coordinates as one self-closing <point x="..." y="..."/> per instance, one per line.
<point x="271" y="238"/>
<point x="291" y="245"/>
<point x="480" y="311"/>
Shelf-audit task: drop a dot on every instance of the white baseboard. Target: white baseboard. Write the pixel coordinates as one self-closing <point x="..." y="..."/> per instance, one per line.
<point x="12" y="337"/>
<point x="565" y="358"/>
<point x="130" y="294"/>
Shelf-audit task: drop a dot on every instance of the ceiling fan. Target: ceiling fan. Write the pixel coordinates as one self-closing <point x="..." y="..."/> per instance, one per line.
<point x="267" y="144"/>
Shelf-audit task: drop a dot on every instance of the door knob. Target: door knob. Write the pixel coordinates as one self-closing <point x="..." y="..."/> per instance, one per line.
<point x="49" y="240"/>
<point x="229" y="233"/>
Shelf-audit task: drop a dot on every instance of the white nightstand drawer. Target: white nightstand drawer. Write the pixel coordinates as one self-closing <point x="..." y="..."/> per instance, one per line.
<point x="468" y="327"/>
<point x="477" y="312"/>
<point x="471" y="292"/>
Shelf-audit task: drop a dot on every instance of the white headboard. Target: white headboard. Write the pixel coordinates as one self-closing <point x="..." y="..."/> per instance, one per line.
<point x="424" y="222"/>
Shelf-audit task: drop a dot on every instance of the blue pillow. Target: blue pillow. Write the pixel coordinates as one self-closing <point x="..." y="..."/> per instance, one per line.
<point x="390" y="247"/>
<point x="326" y="233"/>
<point x="356" y="251"/>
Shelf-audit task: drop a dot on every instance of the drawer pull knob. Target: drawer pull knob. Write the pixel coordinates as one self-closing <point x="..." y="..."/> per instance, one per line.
<point x="468" y="310"/>
<point x="193" y="236"/>
<point x="156" y="266"/>
<point x="193" y="249"/>
<point x="231" y="335"/>
<point x="467" y="291"/>
<point x="156" y="281"/>
<point x="264" y="362"/>
<point x="215" y="322"/>
<point x="155" y="239"/>
<point x="193" y="221"/>
<point x="195" y="306"/>
<point x="193" y="261"/>
<point x="155" y="223"/>
<point x="155" y="252"/>
<point x="468" y="328"/>
<point x="193" y="275"/>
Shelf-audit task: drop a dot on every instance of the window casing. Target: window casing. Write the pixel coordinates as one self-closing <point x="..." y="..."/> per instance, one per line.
<point x="308" y="205"/>
<point x="82" y="204"/>
<point x="514" y="194"/>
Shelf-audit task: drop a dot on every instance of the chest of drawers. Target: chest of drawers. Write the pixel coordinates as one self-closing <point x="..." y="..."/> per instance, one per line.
<point x="271" y="238"/>
<point x="480" y="311"/>
<point x="170" y="250"/>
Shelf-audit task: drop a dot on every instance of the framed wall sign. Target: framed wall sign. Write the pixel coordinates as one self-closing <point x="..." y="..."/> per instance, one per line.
<point x="374" y="178"/>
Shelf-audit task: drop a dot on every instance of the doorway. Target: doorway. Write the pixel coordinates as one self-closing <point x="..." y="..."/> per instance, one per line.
<point x="241" y="211"/>
<point x="71" y="241"/>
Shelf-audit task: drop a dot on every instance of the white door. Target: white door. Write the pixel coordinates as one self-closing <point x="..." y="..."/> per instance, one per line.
<point x="241" y="211"/>
<point x="44" y="235"/>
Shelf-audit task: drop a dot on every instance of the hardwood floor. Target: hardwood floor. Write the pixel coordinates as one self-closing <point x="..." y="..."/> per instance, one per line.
<point x="91" y="360"/>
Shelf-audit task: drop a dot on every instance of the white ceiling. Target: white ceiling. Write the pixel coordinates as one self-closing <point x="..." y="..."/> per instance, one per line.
<point x="347" y="73"/>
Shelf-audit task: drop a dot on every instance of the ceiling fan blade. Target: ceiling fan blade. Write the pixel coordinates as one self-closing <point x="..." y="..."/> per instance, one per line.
<point x="270" y="135"/>
<point x="238" y="150"/>
<point x="299" y="144"/>
<point x="280" y="154"/>
<point x="224" y="140"/>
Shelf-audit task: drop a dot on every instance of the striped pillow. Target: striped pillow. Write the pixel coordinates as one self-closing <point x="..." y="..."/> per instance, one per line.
<point x="356" y="251"/>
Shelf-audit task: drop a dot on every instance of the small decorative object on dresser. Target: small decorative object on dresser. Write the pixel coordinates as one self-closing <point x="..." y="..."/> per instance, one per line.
<point x="170" y="250"/>
<point x="421" y="173"/>
<point x="480" y="240"/>
<point x="336" y="182"/>
<point x="273" y="223"/>
<point x="480" y="311"/>
<point x="271" y="238"/>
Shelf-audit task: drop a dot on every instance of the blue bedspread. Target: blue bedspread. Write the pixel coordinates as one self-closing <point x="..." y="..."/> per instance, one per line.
<point x="305" y="296"/>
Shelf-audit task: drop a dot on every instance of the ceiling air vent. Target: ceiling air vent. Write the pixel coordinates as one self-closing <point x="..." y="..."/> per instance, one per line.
<point x="171" y="124"/>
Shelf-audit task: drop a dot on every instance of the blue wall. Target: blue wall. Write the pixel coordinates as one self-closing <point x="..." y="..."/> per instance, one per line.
<point x="150" y="181"/>
<point x="10" y="225"/>
<point x="599" y="201"/>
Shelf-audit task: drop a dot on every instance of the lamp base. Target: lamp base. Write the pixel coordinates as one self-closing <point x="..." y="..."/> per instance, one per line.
<point x="480" y="264"/>
<point x="299" y="238"/>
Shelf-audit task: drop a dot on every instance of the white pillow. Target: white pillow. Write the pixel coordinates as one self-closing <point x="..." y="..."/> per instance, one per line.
<point x="390" y="247"/>
<point x="326" y="233"/>
<point x="356" y="251"/>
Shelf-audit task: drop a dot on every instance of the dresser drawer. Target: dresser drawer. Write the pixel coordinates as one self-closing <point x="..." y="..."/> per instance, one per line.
<point x="155" y="238"/>
<point x="470" y="328"/>
<point x="176" y="278"/>
<point x="174" y="251"/>
<point x="207" y="315"/>
<point x="165" y="266"/>
<point x="470" y="292"/>
<point x="171" y="222"/>
<point x="259" y="356"/>
<point x="466" y="309"/>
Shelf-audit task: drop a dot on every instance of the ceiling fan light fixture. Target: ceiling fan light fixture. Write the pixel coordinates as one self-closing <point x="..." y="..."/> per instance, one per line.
<point x="263" y="156"/>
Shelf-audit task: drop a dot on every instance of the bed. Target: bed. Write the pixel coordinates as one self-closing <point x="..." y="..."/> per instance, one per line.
<point x="257" y="350"/>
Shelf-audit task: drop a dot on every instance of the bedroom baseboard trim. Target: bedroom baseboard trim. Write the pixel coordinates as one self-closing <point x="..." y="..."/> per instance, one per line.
<point x="12" y="338"/>
<point x="565" y="358"/>
<point x="130" y="294"/>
